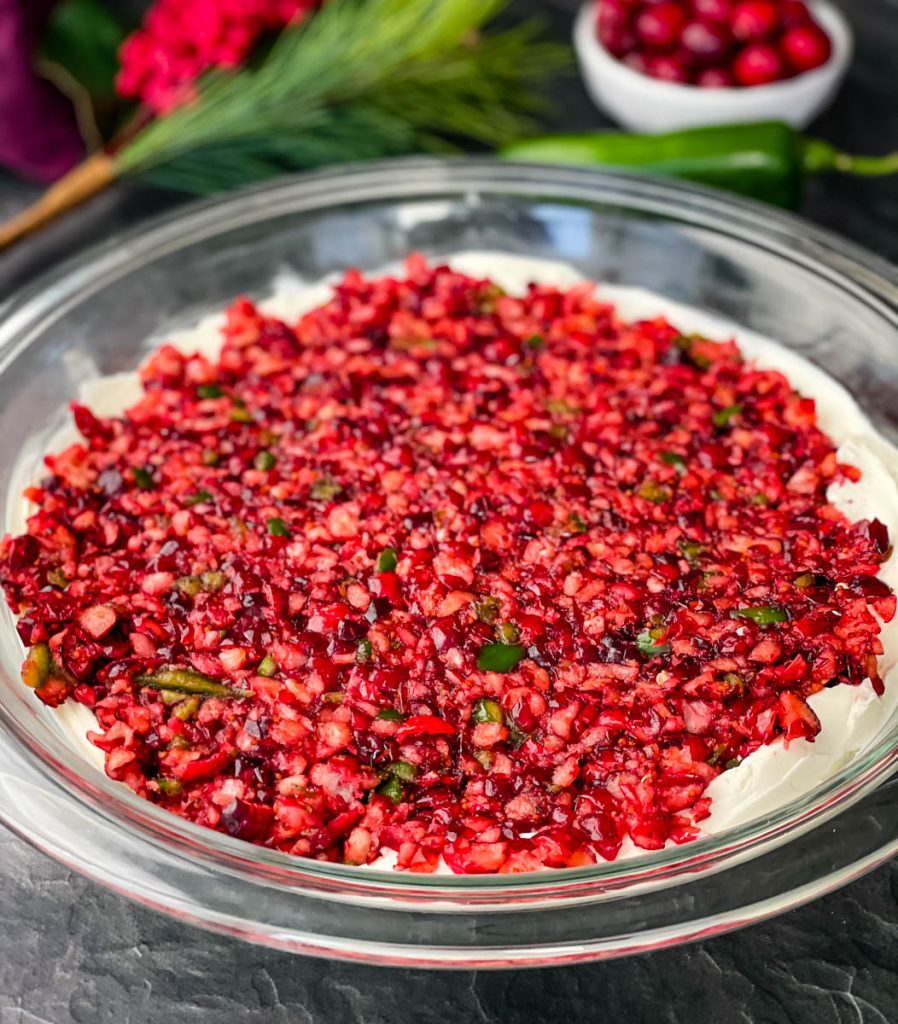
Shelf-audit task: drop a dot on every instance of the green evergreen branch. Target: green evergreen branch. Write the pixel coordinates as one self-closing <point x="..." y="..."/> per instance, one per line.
<point x="359" y="80"/>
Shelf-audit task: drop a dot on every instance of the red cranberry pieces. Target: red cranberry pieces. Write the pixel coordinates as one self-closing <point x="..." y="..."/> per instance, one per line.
<point x="713" y="43"/>
<point x="443" y="571"/>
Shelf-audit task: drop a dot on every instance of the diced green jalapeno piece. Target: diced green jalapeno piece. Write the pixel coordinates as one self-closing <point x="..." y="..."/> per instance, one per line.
<point x="515" y="737"/>
<point x="485" y="757"/>
<point x="197" y="498"/>
<point x="264" y="461"/>
<point x="187" y="708"/>
<point x="648" y="646"/>
<point x="686" y="343"/>
<point x="653" y="491"/>
<point x="210" y="457"/>
<point x="277" y="527"/>
<point x="722" y="417"/>
<point x="186" y="681"/>
<point x="486" y="710"/>
<point x="486" y="609"/>
<point x="213" y="580"/>
<point x="387" y="560"/>
<point x="325" y="489"/>
<point x="507" y="633"/>
<point x="267" y="666"/>
<point x="535" y="342"/>
<point x="673" y="459"/>
<point x="486" y="299"/>
<point x="169" y="787"/>
<point x="717" y="753"/>
<point x="389" y="715"/>
<point x="189" y="585"/>
<point x="142" y="477"/>
<point x="209" y="391"/>
<point x="392" y="789"/>
<point x="691" y="549"/>
<point x="500" y="657"/>
<point x="737" y="682"/>
<point x="763" y="615"/>
<point x="58" y="578"/>
<point x="37" y="666"/>
<point x="365" y="651"/>
<point x="575" y="524"/>
<point x="404" y="770"/>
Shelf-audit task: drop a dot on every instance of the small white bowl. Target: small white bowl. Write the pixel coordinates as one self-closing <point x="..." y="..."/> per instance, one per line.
<point x="643" y="104"/>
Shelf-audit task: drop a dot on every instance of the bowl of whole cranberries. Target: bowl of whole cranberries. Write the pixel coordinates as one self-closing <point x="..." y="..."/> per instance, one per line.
<point x="660" y="65"/>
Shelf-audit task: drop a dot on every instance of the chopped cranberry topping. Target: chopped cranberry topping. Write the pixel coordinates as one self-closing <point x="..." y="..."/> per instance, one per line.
<point x="446" y="572"/>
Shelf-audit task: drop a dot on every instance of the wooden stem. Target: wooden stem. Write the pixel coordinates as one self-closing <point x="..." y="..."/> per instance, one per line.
<point x="82" y="182"/>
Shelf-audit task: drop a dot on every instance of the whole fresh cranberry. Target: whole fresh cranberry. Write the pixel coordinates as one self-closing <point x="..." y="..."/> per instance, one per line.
<point x="638" y="62"/>
<point x="806" y="47"/>
<point x="658" y="25"/>
<point x="755" y="20"/>
<point x="619" y="44"/>
<point x="706" y="42"/>
<point x="758" y="64"/>
<point x="612" y="13"/>
<point x="613" y="27"/>
<point x="713" y="43"/>
<point x="669" y="68"/>
<point x="712" y="10"/>
<point x="715" y="78"/>
<point x="794" y="12"/>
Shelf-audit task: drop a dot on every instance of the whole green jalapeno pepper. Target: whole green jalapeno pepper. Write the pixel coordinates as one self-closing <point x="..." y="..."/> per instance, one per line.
<point x="768" y="160"/>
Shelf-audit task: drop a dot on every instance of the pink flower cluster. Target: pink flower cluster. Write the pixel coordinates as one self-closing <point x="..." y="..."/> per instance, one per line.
<point x="180" y="39"/>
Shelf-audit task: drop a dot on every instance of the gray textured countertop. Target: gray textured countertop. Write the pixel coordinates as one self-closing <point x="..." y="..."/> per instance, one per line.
<point x="72" y="952"/>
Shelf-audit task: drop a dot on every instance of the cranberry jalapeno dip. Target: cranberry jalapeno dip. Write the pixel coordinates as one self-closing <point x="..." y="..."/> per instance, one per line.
<point x="452" y="576"/>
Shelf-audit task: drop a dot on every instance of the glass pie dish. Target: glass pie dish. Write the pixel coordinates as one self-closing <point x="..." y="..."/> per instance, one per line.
<point x="829" y="301"/>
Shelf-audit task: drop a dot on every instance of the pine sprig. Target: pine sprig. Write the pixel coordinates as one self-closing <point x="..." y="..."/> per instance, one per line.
<point x="359" y="80"/>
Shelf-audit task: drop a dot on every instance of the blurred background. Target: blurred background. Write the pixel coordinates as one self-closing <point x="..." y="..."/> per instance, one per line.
<point x="145" y="104"/>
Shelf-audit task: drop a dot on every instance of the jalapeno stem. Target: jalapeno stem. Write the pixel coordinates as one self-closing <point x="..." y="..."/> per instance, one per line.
<point x="818" y="155"/>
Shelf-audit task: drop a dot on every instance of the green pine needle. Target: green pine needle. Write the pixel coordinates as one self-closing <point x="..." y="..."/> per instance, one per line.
<point x="361" y="79"/>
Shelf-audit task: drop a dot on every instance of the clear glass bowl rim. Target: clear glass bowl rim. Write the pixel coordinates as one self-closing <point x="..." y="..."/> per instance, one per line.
<point x="786" y="236"/>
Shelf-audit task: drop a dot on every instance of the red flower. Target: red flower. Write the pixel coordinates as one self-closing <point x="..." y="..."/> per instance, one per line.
<point x="38" y="133"/>
<point x="182" y="39"/>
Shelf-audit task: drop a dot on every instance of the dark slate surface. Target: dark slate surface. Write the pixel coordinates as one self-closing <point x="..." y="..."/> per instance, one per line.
<point x="72" y="953"/>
